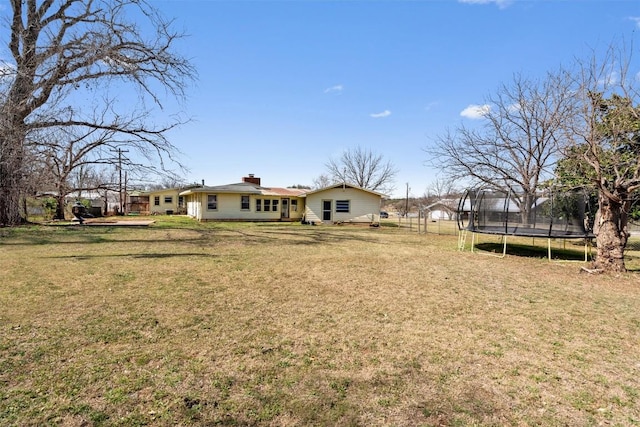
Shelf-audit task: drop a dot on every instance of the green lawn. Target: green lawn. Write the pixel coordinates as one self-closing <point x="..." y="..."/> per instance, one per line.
<point x="211" y="324"/>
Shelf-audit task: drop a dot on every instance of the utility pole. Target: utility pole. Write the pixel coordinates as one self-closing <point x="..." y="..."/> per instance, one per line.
<point x="120" y="202"/>
<point x="126" y="185"/>
<point x="406" y="208"/>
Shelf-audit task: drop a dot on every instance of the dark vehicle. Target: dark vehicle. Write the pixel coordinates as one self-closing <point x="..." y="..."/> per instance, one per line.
<point x="384" y="214"/>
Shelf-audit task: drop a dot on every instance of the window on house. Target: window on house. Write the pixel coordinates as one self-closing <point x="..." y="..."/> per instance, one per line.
<point x="180" y="201"/>
<point x="267" y="205"/>
<point x="212" y="202"/>
<point x="342" y="205"/>
<point x="294" y="205"/>
<point x="168" y="200"/>
<point x="274" y="206"/>
<point x="258" y="205"/>
<point x="156" y="201"/>
<point x="244" y="203"/>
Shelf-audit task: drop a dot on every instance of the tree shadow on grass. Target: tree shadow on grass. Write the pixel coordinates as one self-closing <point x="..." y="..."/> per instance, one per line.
<point x="557" y="254"/>
<point x="532" y="251"/>
<point x="248" y="235"/>
<point x="137" y="256"/>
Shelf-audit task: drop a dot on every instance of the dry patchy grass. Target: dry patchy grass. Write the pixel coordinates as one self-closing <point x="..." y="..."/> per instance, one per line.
<point x="264" y="324"/>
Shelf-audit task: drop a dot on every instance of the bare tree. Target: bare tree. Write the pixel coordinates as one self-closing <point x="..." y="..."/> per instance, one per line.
<point x="443" y="190"/>
<point x="604" y="148"/>
<point x="516" y="146"/>
<point x="61" y="48"/>
<point x="75" y="149"/>
<point x="442" y="187"/>
<point x="322" y="181"/>
<point x="364" y="168"/>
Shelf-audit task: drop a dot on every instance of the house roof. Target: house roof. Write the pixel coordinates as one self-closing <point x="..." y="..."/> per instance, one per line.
<point x="447" y="204"/>
<point x="163" y="190"/>
<point x="275" y="191"/>
<point x="331" y="187"/>
<point x="245" y="188"/>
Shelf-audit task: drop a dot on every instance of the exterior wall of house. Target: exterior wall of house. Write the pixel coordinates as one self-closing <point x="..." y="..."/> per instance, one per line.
<point x="229" y="208"/>
<point x="194" y="204"/>
<point x="159" y="202"/>
<point x="441" y="214"/>
<point x="364" y="207"/>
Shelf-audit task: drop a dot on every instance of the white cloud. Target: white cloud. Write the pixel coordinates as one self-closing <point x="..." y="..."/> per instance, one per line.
<point x="635" y="19"/>
<point x="502" y="4"/>
<point x="385" y="113"/>
<point x="610" y="79"/>
<point x="431" y="106"/>
<point x="474" y="111"/>
<point x="334" y="89"/>
<point x="513" y="108"/>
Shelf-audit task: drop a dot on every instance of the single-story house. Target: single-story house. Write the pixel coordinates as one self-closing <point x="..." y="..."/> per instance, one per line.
<point x="442" y="209"/>
<point x="244" y="201"/>
<point x="250" y="201"/>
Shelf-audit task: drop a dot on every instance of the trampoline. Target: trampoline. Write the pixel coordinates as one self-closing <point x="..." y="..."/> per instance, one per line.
<point x="550" y="214"/>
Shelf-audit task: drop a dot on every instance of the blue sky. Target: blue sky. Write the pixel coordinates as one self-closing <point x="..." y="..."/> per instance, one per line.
<point x="286" y="85"/>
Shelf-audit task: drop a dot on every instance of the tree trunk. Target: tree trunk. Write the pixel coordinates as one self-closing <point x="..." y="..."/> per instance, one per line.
<point x="611" y="235"/>
<point x="10" y="176"/>
<point x="525" y="209"/>
<point x="9" y="197"/>
<point x="60" y="206"/>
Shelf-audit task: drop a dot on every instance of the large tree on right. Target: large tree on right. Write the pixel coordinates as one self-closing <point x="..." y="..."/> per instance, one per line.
<point x="604" y="149"/>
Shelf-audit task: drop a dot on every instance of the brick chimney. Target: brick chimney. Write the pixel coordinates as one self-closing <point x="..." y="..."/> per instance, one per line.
<point x="251" y="179"/>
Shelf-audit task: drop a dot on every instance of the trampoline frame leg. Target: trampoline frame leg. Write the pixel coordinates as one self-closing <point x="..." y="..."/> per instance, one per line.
<point x="462" y="240"/>
<point x="504" y="246"/>
<point x="587" y="247"/>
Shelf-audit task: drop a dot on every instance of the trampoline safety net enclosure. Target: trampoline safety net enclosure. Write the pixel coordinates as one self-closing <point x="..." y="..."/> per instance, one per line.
<point x="551" y="214"/>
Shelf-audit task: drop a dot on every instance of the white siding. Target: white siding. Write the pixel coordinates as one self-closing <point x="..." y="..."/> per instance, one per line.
<point x="193" y="206"/>
<point x="441" y="214"/>
<point x="364" y="207"/>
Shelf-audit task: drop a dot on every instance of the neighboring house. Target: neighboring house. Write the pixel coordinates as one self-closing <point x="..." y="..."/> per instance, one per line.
<point x="137" y="202"/>
<point x="442" y="209"/>
<point x="244" y="201"/>
<point x="342" y="203"/>
<point x="103" y="202"/>
<point x="166" y="201"/>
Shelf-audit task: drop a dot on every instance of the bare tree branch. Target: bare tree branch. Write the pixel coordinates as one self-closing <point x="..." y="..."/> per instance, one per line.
<point x="517" y="144"/>
<point x="62" y="47"/>
<point x="363" y="168"/>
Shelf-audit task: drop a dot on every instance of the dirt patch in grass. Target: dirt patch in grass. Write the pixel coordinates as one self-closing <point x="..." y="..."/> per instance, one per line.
<point x="267" y="324"/>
